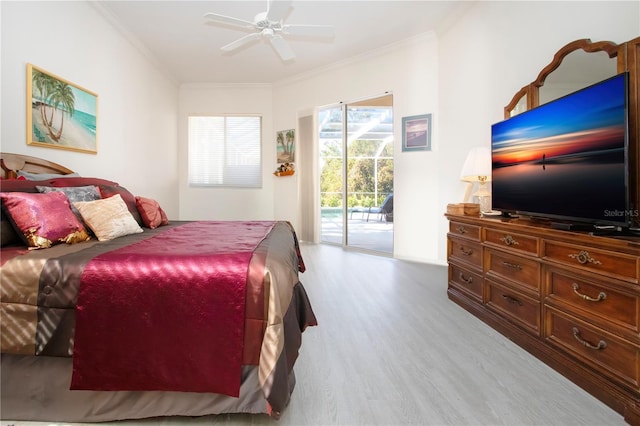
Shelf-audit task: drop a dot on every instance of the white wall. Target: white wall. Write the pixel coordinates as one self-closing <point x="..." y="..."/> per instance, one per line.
<point x="225" y="203"/>
<point x="137" y="104"/>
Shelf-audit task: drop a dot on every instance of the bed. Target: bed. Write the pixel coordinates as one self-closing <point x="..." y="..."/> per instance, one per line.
<point x="110" y="311"/>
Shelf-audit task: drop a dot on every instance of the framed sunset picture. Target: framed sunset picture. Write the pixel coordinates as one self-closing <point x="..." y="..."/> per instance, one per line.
<point x="60" y="114"/>
<point x="416" y="133"/>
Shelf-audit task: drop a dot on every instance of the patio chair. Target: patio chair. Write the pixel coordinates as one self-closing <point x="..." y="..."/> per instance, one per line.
<point x="385" y="210"/>
<point x="358" y="209"/>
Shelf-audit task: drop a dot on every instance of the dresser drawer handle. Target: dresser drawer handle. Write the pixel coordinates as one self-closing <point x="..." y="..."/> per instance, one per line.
<point x="466" y="280"/>
<point x="468" y="252"/>
<point x="584" y="257"/>
<point x="509" y="240"/>
<point x="462" y="230"/>
<point x="601" y="344"/>
<point x="511" y="300"/>
<point x="512" y="265"/>
<point x="600" y="298"/>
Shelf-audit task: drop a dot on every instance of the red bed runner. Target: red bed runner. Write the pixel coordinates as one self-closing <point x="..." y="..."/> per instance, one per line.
<point x="167" y="313"/>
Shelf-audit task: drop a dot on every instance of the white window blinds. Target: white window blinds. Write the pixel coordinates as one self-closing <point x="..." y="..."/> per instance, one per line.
<point x="225" y="151"/>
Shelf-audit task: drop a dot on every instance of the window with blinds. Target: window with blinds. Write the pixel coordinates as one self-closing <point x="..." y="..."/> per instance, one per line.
<point x="225" y="151"/>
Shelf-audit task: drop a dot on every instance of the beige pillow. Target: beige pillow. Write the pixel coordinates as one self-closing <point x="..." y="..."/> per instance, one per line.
<point x="108" y="218"/>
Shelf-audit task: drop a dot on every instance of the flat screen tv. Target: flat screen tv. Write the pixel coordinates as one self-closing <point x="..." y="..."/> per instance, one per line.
<point x="566" y="160"/>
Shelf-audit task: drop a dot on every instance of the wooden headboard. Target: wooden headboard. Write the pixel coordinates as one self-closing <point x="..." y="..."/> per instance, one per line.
<point x="11" y="163"/>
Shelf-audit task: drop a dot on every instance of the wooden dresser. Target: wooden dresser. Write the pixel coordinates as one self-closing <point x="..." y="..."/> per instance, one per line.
<point x="569" y="298"/>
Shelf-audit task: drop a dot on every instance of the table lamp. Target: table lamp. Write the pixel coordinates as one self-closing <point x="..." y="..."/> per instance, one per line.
<point x="477" y="168"/>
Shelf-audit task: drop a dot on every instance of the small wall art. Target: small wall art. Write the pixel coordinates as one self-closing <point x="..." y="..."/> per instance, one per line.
<point x="416" y="133"/>
<point x="60" y="114"/>
<point x="285" y="140"/>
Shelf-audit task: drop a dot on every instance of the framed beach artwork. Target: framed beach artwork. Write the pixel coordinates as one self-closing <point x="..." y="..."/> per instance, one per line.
<point x="416" y="133"/>
<point x="60" y="114"/>
<point x="286" y="147"/>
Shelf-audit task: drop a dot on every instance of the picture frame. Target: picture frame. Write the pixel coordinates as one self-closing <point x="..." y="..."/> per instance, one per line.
<point x="416" y="133"/>
<point x="286" y="146"/>
<point x="60" y="114"/>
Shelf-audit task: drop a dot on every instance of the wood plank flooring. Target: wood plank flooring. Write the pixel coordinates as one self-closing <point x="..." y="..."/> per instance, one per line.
<point x="391" y="349"/>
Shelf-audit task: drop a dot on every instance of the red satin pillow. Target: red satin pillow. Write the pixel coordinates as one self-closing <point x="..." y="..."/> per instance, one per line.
<point x="151" y="212"/>
<point x="79" y="181"/>
<point x="21" y="185"/>
<point x="43" y="219"/>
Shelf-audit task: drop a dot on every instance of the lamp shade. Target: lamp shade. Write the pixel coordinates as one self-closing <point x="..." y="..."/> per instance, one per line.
<point x="477" y="166"/>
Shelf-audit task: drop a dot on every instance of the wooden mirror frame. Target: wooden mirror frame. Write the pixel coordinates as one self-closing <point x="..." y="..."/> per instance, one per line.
<point x="627" y="55"/>
<point x="531" y="90"/>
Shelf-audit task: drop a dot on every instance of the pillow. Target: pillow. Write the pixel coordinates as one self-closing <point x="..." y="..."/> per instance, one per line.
<point x="16" y="185"/>
<point x="43" y="219"/>
<point x="128" y="198"/>
<point x="75" y="194"/>
<point x="108" y="218"/>
<point x="79" y="181"/>
<point x="151" y="212"/>
<point x="43" y="176"/>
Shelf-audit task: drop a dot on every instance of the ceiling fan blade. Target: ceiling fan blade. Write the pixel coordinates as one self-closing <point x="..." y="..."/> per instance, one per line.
<point x="309" y="30"/>
<point x="241" y="42"/>
<point x="222" y="19"/>
<point x="282" y="48"/>
<point x="278" y="10"/>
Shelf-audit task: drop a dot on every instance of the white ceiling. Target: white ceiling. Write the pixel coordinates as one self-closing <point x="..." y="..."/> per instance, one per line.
<point x="173" y="34"/>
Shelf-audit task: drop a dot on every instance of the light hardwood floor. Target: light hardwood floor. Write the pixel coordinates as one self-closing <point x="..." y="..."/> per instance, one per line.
<point x="391" y="349"/>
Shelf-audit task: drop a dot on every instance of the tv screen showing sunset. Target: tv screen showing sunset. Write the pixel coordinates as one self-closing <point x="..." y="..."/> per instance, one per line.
<point x="565" y="158"/>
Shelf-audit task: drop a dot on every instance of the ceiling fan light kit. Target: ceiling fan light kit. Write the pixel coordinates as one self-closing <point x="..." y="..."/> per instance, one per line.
<point x="269" y="26"/>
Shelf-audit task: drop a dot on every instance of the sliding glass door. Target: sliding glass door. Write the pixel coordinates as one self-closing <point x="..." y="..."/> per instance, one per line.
<point x="356" y="174"/>
<point x="331" y="143"/>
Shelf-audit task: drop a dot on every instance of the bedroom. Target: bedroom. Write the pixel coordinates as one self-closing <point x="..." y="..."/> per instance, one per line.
<point x="142" y="118"/>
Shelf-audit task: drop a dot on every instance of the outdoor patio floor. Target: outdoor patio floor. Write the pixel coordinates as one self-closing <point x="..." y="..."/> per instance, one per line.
<point x="375" y="235"/>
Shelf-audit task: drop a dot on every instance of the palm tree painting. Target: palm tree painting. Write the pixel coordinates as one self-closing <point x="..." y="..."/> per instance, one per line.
<point x="286" y="145"/>
<point x="60" y="114"/>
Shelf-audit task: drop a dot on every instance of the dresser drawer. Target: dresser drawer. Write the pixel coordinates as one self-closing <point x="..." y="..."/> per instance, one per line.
<point x="522" y="309"/>
<point x="468" y="282"/>
<point x="619" y="265"/>
<point x="605" y="353"/>
<point x="465" y="230"/>
<point x="603" y="302"/>
<point x="465" y="251"/>
<point x="522" y="271"/>
<point x="513" y="241"/>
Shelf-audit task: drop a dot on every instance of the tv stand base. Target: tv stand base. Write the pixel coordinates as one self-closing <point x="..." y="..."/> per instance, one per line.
<point x="572" y="226"/>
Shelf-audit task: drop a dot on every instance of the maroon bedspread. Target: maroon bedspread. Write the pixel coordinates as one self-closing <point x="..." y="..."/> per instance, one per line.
<point x="123" y="300"/>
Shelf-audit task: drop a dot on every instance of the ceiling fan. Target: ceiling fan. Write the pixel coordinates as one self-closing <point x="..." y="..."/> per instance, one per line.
<point x="270" y="25"/>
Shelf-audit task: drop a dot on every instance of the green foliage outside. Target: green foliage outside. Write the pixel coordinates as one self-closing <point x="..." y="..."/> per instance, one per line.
<point x="362" y="157"/>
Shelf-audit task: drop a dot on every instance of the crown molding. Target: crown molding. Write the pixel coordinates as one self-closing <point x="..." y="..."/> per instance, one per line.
<point x="112" y="19"/>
